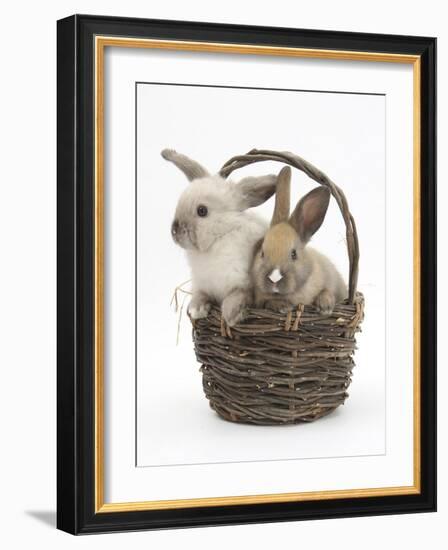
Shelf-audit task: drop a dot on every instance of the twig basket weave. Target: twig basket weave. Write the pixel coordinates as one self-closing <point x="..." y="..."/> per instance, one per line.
<point x="276" y="368"/>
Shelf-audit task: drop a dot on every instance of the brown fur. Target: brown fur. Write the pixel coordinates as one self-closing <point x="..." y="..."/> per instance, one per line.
<point x="310" y="212"/>
<point x="282" y="197"/>
<point x="307" y="277"/>
<point x="278" y="242"/>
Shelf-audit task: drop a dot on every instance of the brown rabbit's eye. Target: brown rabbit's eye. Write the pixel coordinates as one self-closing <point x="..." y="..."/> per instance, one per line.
<point x="202" y="211"/>
<point x="262" y="254"/>
<point x="293" y="254"/>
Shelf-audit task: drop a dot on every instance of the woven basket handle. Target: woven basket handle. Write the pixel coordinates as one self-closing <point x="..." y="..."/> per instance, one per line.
<point x="258" y="155"/>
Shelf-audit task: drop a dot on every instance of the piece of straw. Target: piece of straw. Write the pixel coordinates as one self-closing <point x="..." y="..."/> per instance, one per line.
<point x="178" y="309"/>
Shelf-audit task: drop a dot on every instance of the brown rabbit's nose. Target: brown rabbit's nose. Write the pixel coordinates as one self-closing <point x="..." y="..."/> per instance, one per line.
<point x="275" y="276"/>
<point x="174" y="228"/>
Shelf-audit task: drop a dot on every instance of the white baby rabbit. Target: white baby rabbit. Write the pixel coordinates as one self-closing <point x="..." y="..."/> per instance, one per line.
<point x="211" y="224"/>
<point x="285" y="271"/>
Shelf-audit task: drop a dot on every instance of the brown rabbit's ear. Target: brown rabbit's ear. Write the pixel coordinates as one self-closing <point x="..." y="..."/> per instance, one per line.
<point x="310" y="212"/>
<point x="192" y="169"/>
<point x="282" y="196"/>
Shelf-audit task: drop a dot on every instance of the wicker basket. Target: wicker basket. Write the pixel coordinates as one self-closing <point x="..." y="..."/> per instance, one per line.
<point x="282" y="368"/>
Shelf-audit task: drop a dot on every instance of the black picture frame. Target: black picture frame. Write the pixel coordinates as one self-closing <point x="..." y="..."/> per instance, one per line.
<point x="75" y="296"/>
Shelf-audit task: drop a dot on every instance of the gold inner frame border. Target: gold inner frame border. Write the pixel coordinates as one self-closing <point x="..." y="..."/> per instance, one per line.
<point x="100" y="43"/>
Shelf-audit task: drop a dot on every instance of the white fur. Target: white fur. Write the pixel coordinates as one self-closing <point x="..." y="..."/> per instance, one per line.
<point x="219" y="246"/>
<point x="275" y="275"/>
<point x="225" y="265"/>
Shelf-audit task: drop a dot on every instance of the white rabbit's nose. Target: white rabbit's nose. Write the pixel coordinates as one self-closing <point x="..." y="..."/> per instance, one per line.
<point x="174" y="228"/>
<point x="275" y="275"/>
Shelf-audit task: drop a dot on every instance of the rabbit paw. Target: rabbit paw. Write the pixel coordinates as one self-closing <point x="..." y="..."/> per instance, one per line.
<point x="199" y="307"/>
<point x="325" y="302"/>
<point x="234" y="308"/>
<point x="282" y="306"/>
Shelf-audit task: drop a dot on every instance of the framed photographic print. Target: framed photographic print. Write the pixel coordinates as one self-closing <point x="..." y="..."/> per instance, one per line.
<point x="246" y="274"/>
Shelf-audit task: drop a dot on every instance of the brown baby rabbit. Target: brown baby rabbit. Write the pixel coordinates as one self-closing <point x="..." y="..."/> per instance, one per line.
<point x="285" y="271"/>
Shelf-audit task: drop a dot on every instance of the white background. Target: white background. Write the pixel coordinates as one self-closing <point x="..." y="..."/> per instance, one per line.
<point x="27" y="218"/>
<point x="175" y="425"/>
<point x="343" y="131"/>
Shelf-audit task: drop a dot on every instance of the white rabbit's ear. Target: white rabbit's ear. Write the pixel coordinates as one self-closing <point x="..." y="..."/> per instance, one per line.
<point x="255" y="190"/>
<point x="282" y="197"/>
<point x="310" y="212"/>
<point x="192" y="169"/>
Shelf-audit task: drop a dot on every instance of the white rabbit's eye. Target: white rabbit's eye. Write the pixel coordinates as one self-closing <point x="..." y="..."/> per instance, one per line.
<point x="293" y="254"/>
<point x="202" y="211"/>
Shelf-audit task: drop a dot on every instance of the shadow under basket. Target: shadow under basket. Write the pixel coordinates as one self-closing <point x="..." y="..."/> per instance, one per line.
<point x="277" y="368"/>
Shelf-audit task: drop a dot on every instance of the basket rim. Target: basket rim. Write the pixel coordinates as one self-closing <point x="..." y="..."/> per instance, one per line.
<point x="345" y="314"/>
